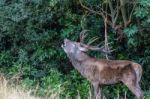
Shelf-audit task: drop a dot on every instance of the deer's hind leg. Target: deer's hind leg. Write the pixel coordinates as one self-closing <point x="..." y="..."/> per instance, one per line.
<point x="134" y="88"/>
<point x="97" y="90"/>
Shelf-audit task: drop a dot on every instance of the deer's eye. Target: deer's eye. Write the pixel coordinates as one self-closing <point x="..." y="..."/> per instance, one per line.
<point x="81" y="45"/>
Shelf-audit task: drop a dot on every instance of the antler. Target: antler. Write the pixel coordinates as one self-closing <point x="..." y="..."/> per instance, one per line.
<point x="83" y="35"/>
<point x="93" y="48"/>
<point x="101" y="49"/>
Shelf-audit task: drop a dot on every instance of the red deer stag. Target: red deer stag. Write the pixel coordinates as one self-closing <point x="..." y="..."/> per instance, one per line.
<point x="101" y="71"/>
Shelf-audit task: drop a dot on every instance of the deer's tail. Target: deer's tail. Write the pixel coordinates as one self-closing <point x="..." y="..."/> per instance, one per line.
<point x="138" y="70"/>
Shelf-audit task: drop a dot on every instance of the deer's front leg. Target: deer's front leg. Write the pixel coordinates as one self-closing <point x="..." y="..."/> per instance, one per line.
<point x="97" y="90"/>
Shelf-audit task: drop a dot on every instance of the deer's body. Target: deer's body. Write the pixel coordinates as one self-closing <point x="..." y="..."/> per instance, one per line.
<point x="101" y="71"/>
<point x="105" y="71"/>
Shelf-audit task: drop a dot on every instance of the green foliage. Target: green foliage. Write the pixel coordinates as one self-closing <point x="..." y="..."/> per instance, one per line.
<point x="32" y="31"/>
<point x="75" y="84"/>
<point x="131" y="34"/>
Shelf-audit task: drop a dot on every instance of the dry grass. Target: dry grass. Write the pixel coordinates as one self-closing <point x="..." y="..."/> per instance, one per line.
<point x="11" y="91"/>
<point x="8" y="92"/>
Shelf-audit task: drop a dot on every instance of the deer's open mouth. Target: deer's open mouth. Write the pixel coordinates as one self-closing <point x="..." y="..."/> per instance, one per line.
<point x="64" y="44"/>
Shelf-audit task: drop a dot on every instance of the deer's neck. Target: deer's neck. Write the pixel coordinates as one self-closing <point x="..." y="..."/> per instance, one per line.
<point x="78" y="59"/>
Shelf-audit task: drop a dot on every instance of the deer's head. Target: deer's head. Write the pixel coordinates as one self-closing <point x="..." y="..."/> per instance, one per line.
<point x="72" y="47"/>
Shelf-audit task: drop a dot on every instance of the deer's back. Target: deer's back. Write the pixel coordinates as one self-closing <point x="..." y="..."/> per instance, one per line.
<point x="111" y="71"/>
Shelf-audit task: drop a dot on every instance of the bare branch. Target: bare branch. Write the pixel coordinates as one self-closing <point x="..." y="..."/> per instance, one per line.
<point x="123" y="11"/>
<point x="117" y="14"/>
<point x="102" y="13"/>
<point x="91" y="10"/>
<point x="106" y="36"/>
<point x="130" y="16"/>
<point x="111" y="9"/>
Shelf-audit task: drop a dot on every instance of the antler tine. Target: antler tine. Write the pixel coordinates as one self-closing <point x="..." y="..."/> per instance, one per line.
<point x="92" y="40"/>
<point x="108" y="50"/>
<point x="94" y="48"/>
<point x="83" y="35"/>
<point x="103" y="45"/>
<point x="101" y="49"/>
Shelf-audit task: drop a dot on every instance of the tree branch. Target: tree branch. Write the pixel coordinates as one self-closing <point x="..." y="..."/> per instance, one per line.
<point x="130" y="16"/>
<point x="117" y="13"/>
<point x="106" y="37"/>
<point x="123" y="11"/>
<point x="111" y="9"/>
<point x="91" y="10"/>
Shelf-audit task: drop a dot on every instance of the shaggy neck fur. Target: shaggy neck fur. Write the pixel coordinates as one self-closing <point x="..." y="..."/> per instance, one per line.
<point x="77" y="60"/>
